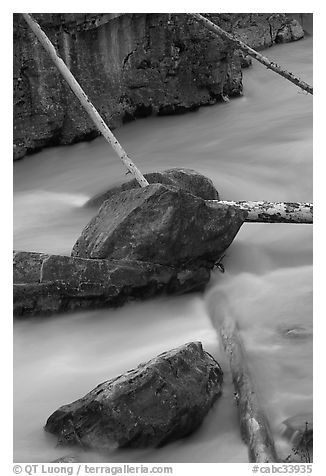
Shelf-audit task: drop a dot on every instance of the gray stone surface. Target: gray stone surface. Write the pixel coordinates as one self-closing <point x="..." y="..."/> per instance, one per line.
<point x="160" y="224"/>
<point x="159" y="401"/>
<point x="299" y="430"/>
<point x="186" y="179"/>
<point x="45" y="284"/>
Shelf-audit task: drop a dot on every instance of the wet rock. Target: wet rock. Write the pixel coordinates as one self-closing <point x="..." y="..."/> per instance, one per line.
<point x="162" y="65"/>
<point x="160" y="224"/>
<point x="262" y="30"/>
<point x="186" y="179"/>
<point x="245" y="60"/>
<point x="299" y="430"/>
<point x="159" y="401"/>
<point x="305" y="20"/>
<point x="292" y="31"/>
<point x="45" y="284"/>
<point x="50" y="283"/>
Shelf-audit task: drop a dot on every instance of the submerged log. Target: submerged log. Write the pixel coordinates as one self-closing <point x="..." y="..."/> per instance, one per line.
<point x="251" y="52"/>
<point x="84" y="100"/>
<point x="254" y="426"/>
<point x="272" y="212"/>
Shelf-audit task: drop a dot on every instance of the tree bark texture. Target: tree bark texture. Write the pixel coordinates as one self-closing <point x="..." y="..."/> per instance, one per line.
<point x="273" y="212"/>
<point x="254" y="426"/>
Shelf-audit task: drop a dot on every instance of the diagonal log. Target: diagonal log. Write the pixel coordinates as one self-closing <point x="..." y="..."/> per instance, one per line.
<point x="272" y="212"/>
<point x="254" y="426"/>
<point x="83" y="99"/>
<point x="251" y="52"/>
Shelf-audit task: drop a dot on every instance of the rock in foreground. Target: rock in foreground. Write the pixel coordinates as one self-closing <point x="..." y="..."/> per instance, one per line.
<point x="299" y="430"/>
<point x="160" y="224"/>
<point x="186" y="179"/>
<point x="158" y="402"/>
<point x="51" y="283"/>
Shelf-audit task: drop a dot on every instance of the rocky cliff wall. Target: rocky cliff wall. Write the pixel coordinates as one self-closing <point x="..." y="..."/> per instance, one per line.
<point x="305" y="20"/>
<point x="130" y="65"/>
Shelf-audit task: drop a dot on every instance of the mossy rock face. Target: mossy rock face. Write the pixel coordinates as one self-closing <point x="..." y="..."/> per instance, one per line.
<point x="159" y="401"/>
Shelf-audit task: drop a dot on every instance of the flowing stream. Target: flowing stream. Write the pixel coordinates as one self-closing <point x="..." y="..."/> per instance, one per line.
<point x="257" y="147"/>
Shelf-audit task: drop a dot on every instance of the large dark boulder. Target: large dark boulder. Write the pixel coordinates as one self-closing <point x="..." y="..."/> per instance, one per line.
<point x="159" y="401"/>
<point x="187" y="179"/>
<point x="160" y="224"/>
<point x="51" y="283"/>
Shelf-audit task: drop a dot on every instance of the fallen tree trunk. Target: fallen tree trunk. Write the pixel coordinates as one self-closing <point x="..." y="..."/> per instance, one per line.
<point x="254" y="54"/>
<point x="254" y="426"/>
<point x="273" y="212"/>
<point x="83" y="99"/>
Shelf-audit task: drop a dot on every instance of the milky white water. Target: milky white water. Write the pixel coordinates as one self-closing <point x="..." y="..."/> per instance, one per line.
<point x="257" y="147"/>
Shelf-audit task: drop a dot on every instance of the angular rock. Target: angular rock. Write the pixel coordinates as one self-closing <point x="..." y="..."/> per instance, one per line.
<point x="51" y="283"/>
<point x="160" y="224"/>
<point x="262" y="30"/>
<point x="186" y="179"/>
<point x="291" y="31"/>
<point x="159" y="401"/>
